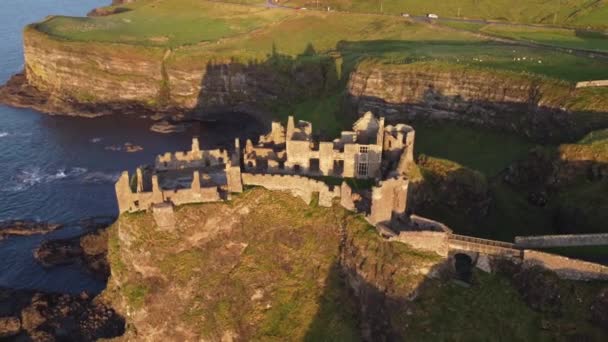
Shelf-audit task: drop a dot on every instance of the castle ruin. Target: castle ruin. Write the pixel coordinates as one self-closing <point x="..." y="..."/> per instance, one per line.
<point x="288" y="159"/>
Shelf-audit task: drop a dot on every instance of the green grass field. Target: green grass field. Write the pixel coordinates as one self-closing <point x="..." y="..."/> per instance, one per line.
<point x="493" y="310"/>
<point x="566" y="38"/>
<point x="470" y="147"/>
<point x="200" y="30"/>
<point x="165" y="23"/>
<point x="565" y="12"/>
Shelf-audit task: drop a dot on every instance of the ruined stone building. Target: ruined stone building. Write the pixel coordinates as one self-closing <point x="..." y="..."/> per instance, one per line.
<point x="365" y="152"/>
<point x="288" y="159"/>
<point x="180" y="178"/>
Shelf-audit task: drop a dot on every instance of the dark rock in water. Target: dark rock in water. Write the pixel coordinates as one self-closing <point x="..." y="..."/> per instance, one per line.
<point x="23" y="228"/>
<point x="58" y="252"/>
<point x="28" y="315"/>
<point x="166" y="127"/>
<point x="89" y="249"/>
<point x="127" y="147"/>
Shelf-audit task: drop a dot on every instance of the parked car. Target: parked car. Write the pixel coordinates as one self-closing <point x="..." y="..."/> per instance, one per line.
<point x="405" y="15"/>
<point x="432" y="16"/>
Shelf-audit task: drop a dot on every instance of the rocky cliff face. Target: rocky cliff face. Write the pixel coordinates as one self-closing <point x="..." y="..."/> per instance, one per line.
<point x="87" y="78"/>
<point x="535" y="107"/>
<point x="266" y="266"/>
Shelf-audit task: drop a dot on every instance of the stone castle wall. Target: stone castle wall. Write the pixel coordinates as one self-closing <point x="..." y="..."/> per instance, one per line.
<point x="547" y="241"/>
<point x="587" y="84"/>
<point x="302" y="187"/>
<point x="565" y="267"/>
<point x="130" y="201"/>
<point x="388" y="200"/>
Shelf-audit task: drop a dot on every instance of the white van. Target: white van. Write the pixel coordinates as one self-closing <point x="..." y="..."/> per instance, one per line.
<point x="432" y="16"/>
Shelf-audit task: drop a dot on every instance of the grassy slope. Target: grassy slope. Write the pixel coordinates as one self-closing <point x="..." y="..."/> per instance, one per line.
<point x="552" y="36"/>
<point x="492" y="310"/>
<point x="165" y="23"/>
<point x="570" y="12"/>
<point x="473" y="148"/>
<point x="278" y="247"/>
<point x="251" y="32"/>
<point x="201" y="283"/>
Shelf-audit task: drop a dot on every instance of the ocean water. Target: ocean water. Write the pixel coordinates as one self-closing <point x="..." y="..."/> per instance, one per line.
<point x="61" y="169"/>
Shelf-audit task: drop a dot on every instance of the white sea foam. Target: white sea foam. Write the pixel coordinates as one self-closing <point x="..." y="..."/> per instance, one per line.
<point x="95" y="140"/>
<point x="32" y="176"/>
<point x="4" y="134"/>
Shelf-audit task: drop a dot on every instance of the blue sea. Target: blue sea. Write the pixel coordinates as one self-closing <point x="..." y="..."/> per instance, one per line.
<point x="62" y="169"/>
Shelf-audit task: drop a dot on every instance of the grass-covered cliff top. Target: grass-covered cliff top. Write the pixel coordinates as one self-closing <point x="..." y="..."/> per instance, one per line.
<point x="266" y="266"/>
<point x="199" y="30"/>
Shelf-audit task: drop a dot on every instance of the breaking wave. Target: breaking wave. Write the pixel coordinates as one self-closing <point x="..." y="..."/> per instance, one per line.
<point x="4" y="134"/>
<point x="30" y="177"/>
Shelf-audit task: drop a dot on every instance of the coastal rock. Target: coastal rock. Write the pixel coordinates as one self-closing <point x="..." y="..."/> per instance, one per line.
<point x="166" y="127"/>
<point x="36" y="316"/>
<point x="9" y="326"/>
<point x="126" y="147"/>
<point x="22" y="228"/>
<point x="89" y="250"/>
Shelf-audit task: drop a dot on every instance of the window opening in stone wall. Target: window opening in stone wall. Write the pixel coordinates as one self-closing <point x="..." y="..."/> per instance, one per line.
<point x="362" y="169"/>
<point x="315" y="165"/>
<point x="338" y="167"/>
<point x="363" y="149"/>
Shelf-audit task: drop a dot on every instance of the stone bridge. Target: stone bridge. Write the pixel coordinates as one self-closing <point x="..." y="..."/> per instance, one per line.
<point x="462" y="243"/>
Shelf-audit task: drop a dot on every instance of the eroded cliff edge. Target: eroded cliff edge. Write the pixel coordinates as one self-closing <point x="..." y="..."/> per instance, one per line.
<point x="537" y="107"/>
<point x="91" y="78"/>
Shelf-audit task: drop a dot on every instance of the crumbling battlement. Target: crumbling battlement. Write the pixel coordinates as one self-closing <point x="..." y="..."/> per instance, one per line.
<point x="299" y="186"/>
<point x="133" y="201"/>
<point x="195" y="158"/>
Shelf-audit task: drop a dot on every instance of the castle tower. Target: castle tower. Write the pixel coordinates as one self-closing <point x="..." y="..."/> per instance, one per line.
<point x="195" y="145"/>
<point x="196" y="181"/>
<point x="291" y="126"/>
<point x="140" y="180"/>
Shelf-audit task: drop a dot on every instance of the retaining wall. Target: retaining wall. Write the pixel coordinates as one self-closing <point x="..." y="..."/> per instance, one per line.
<point x="299" y="186"/>
<point x="565" y="267"/>
<point x="429" y="241"/>
<point x="546" y="241"/>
